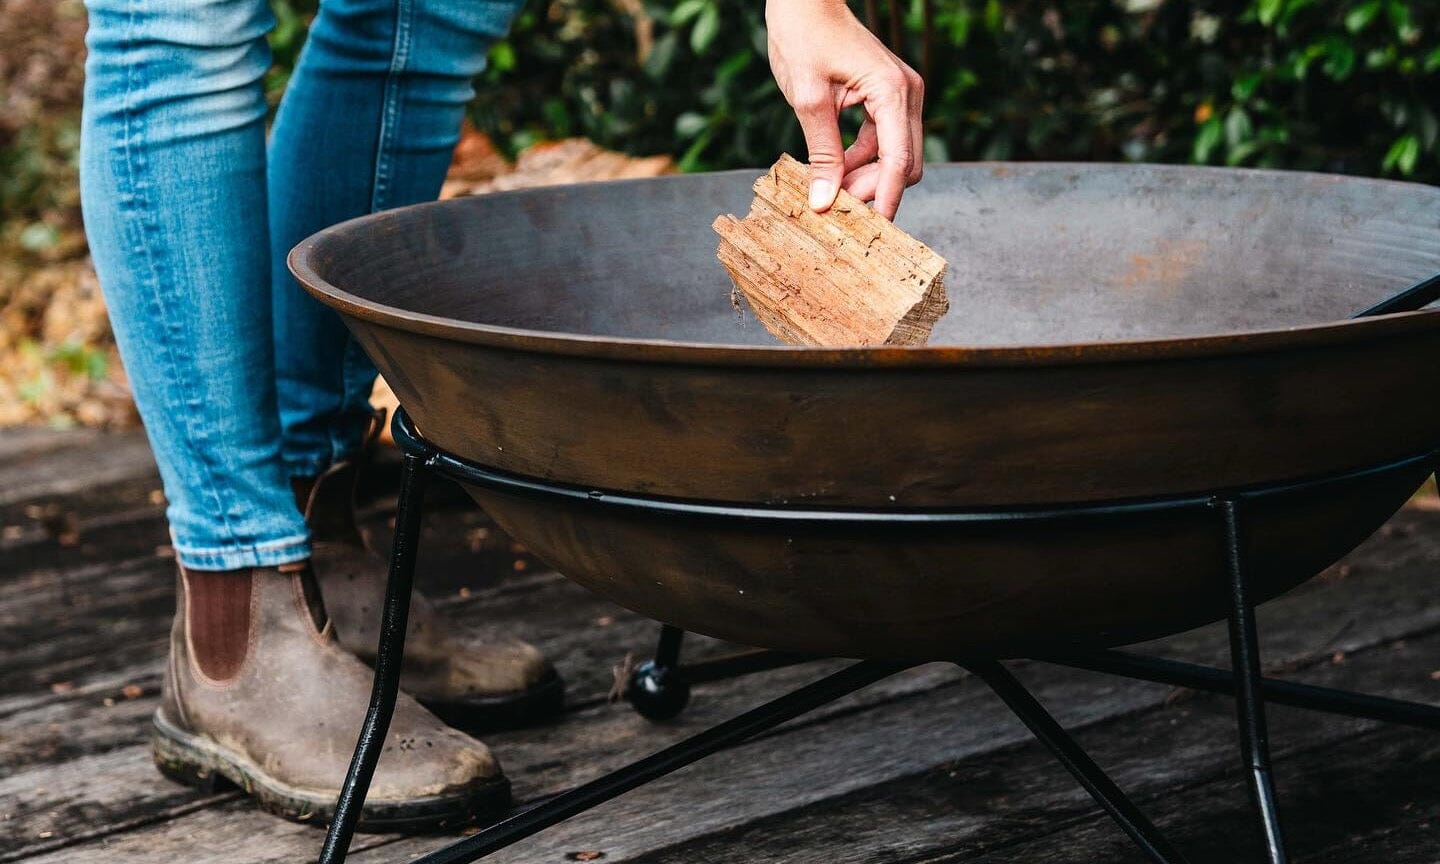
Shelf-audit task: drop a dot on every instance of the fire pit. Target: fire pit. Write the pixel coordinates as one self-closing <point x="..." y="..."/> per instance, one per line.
<point x="1146" y="411"/>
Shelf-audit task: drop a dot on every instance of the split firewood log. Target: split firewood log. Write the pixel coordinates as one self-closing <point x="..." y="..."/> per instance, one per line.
<point x="841" y="278"/>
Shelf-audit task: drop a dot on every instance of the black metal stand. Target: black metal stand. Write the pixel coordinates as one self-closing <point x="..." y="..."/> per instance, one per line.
<point x="660" y="688"/>
<point x="1245" y="660"/>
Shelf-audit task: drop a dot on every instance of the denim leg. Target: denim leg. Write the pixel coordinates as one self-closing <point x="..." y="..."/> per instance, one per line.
<point x="173" y="183"/>
<point x="369" y="121"/>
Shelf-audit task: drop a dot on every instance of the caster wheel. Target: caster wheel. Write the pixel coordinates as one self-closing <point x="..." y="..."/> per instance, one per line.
<point x="657" y="692"/>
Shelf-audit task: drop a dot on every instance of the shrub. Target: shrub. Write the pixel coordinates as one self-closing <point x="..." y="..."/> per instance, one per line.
<point x="1339" y="85"/>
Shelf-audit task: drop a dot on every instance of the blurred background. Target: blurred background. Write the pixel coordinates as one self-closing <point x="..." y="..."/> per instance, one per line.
<point x="1349" y="86"/>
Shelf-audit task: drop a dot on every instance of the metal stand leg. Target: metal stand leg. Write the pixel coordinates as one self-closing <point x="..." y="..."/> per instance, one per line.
<point x="598" y="791"/>
<point x="1222" y="681"/>
<point x="1249" y="700"/>
<point x="656" y="689"/>
<point x="659" y="689"/>
<point x="388" y="661"/>
<point x="1076" y="761"/>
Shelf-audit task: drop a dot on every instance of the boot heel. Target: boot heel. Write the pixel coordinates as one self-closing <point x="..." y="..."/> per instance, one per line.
<point x="203" y="780"/>
<point x="180" y="764"/>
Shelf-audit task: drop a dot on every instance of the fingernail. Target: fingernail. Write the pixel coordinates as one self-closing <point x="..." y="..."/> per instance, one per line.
<point x="822" y="194"/>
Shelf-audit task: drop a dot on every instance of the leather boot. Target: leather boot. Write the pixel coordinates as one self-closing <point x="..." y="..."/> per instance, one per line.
<point x="470" y="683"/>
<point x="258" y="695"/>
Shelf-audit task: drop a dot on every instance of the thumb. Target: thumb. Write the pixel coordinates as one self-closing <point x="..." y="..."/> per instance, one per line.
<point x="820" y="121"/>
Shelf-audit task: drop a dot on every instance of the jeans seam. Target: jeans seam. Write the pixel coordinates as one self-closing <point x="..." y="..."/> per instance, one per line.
<point x="141" y="236"/>
<point x="391" y="105"/>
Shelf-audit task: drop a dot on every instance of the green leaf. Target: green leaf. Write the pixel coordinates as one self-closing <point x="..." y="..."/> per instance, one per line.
<point x="502" y="56"/>
<point x="558" y="116"/>
<point x="690" y="161"/>
<point x="687" y="10"/>
<point x="1429" y="128"/>
<point x="1359" y="18"/>
<point x="1238" y="128"/>
<point x="1245" y="85"/>
<point x="662" y="55"/>
<point x="1339" y="61"/>
<point x="1211" y="133"/>
<point x="1269" y="10"/>
<point x="1399" y="17"/>
<point x="994" y="16"/>
<point x="1404" y="155"/>
<point x="706" y="29"/>
<point x="1242" y="154"/>
<point x="736" y="64"/>
<point x="97" y="365"/>
<point x="690" y="124"/>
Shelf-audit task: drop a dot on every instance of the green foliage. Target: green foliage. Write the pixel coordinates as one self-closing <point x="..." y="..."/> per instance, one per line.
<point x="68" y="358"/>
<point x="292" y="22"/>
<point x="38" y="167"/>
<point x="1338" y="85"/>
<point x="699" y="87"/>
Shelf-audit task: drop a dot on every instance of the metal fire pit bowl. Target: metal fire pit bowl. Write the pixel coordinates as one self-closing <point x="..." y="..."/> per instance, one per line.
<point x="1149" y="408"/>
<point x="1118" y="335"/>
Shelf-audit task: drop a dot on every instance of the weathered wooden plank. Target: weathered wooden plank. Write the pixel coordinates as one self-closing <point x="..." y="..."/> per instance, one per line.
<point x="1337" y="800"/>
<point x="36" y="465"/>
<point x="72" y="615"/>
<point x="1382" y="601"/>
<point x="77" y="791"/>
<point x="761" y="767"/>
<point x="62" y="540"/>
<point x="231" y="831"/>
<point x="27" y="441"/>
<point x="849" y="753"/>
<point x="1180" y="762"/>
<point x="41" y="737"/>
<point x="542" y="760"/>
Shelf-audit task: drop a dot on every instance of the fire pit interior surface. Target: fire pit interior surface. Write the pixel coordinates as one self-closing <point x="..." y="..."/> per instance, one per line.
<point x="1117" y="334"/>
<point x="1146" y="411"/>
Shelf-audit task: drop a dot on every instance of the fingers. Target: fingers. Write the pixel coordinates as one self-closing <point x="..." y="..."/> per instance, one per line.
<point x="896" y="155"/>
<point x="863" y="181"/>
<point x="864" y="150"/>
<point x="917" y="124"/>
<point x="820" y="121"/>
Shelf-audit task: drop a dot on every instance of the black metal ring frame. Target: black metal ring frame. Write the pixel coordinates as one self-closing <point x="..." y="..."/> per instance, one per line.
<point x="660" y="688"/>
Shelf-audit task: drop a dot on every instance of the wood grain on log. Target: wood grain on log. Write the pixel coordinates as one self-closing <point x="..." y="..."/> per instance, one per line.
<point x="840" y="278"/>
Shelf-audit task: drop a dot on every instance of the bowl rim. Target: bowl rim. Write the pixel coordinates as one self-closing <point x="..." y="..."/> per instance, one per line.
<point x="301" y="263"/>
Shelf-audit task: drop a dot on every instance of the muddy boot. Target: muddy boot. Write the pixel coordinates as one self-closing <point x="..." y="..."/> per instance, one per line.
<point x="468" y="682"/>
<point x="259" y="696"/>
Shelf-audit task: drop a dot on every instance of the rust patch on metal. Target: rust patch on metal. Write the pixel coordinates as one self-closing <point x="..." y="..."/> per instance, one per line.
<point x="1168" y="266"/>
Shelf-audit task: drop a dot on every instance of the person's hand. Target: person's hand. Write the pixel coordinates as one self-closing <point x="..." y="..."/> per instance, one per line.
<point x="825" y="61"/>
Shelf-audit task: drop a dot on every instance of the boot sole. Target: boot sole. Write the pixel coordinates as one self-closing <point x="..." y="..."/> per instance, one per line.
<point x="544" y="700"/>
<point x="202" y="763"/>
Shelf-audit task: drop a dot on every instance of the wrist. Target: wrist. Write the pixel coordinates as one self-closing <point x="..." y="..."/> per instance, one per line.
<point x="827" y="8"/>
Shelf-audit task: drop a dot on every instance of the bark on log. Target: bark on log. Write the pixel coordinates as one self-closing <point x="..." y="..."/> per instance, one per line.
<point x="845" y="277"/>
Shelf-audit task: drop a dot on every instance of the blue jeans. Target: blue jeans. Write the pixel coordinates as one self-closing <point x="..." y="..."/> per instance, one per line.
<point x="244" y="381"/>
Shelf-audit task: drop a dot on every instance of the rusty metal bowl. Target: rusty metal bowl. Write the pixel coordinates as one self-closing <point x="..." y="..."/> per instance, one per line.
<point x="1124" y="342"/>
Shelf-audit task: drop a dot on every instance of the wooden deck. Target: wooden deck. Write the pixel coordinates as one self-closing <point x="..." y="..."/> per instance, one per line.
<point x="925" y="767"/>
